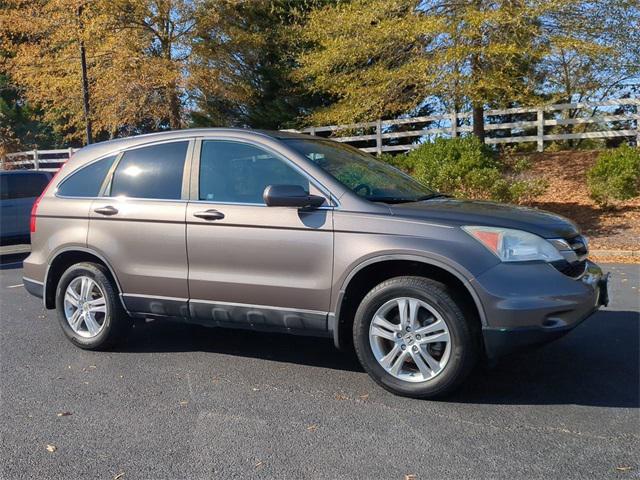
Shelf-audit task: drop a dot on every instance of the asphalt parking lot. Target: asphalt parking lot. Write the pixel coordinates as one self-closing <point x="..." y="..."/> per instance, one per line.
<point x="180" y="401"/>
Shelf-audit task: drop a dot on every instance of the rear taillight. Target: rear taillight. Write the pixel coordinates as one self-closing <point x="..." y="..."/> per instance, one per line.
<point x="34" y="208"/>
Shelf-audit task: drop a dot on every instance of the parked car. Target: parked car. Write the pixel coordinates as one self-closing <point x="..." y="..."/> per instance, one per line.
<point x="19" y="189"/>
<point x="292" y="233"/>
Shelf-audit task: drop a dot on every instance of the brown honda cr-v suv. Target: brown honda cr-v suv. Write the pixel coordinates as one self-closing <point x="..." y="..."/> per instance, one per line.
<point x="298" y="234"/>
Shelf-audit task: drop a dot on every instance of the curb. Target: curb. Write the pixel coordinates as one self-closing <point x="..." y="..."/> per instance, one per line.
<point x="615" y="253"/>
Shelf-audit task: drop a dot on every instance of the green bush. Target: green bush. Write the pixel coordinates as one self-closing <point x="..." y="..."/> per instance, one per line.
<point x="615" y="176"/>
<point x="468" y="168"/>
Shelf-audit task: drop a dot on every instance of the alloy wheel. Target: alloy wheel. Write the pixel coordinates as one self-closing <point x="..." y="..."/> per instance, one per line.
<point x="410" y="339"/>
<point x="85" y="307"/>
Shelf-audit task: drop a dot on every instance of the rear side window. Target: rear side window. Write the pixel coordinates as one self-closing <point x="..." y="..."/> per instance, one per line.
<point x="238" y="173"/>
<point x="86" y="182"/>
<point x="151" y="172"/>
<point x="22" y="185"/>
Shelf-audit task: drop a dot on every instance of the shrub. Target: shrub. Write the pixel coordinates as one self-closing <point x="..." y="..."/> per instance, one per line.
<point x="466" y="167"/>
<point x="402" y="162"/>
<point x="615" y="176"/>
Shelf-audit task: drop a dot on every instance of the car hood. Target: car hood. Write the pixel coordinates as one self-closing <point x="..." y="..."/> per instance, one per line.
<point x="469" y="212"/>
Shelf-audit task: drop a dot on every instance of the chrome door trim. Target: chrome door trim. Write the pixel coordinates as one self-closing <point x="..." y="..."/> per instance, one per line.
<point x="105" y="190"/>
<point x="155" y="297"/>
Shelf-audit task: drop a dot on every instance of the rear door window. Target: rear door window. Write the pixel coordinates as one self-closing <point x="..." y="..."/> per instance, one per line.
<point x="23" y="185"/>
<point x="86" y="182"/>
<point x="153" y="172"/>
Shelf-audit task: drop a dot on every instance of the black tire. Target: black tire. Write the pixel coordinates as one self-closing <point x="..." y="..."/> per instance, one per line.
<point x="463" y="336"/>
<point x="116" y="322"/>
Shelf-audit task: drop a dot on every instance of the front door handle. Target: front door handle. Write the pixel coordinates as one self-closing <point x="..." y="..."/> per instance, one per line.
<point x="108" y="210"/>
<point x="209" y="214"/>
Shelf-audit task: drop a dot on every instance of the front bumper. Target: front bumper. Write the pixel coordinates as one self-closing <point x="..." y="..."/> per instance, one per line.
<point x="529" y="304"/>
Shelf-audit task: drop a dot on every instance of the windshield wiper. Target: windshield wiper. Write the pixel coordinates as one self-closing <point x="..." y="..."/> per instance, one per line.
<point x="390" y="199"/>
<point x="431" y="196"/>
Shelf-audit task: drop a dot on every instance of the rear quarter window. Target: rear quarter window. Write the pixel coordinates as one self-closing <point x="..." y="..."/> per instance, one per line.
<point x="86" y="181"/>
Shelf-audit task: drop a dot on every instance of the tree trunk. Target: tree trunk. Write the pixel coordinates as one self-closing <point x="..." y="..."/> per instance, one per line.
<point x="478" y="121"/>
<point x="85" y="83"/>
<point x="174" y="107"/>
<point x="477" y="103"/>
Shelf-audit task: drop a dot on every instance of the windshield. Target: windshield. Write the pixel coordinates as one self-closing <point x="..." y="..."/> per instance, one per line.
<point x="360" y="172"/>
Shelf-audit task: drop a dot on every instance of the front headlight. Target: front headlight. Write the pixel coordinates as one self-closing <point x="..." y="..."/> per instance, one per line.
<point x="514" y="245"/>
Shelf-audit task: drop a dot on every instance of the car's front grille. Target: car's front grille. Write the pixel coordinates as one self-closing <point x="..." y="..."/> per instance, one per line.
<point x="573" y="270"/>
<point x="574" y="262"/>
<point x="579" y="245"/>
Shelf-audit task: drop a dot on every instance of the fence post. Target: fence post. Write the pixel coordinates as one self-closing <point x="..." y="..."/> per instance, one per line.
<point x="36" y="162"/>
<point x="638" y="126"/>
<point x="378" y="137"/>
<point x="540" y="124"/>
<point x="312" y="131"/>
<point x="70" y="152"/>
<point x="454" y="124"/>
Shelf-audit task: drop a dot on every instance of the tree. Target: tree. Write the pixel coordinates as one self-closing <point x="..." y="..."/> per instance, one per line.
<point x="243" y="55"/>
<point x="135" y="57"/>
<point x="592" y="54"/>
<point x="20" y="127"/>
<point x="162" y="31"/>
<point x="383" y="58"/>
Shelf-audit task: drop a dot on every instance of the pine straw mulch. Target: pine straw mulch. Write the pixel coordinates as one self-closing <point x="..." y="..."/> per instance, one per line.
<point x="567" y="194"/>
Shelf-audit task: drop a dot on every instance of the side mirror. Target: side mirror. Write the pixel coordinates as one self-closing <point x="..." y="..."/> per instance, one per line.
<point x="290" y="196"/>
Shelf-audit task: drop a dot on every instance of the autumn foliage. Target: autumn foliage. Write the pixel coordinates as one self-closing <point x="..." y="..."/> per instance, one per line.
<point x="158" y="64"/>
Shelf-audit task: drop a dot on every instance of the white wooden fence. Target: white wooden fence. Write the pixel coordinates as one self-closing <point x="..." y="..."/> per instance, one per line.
<point x="543" y="120"/>
<point x="46" y="160"/>
<point x="538" y="126"/>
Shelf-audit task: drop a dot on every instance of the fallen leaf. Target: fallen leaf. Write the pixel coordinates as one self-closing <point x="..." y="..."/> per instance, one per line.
<point x="312" y="428"/>
<point x="119" y="475"/>
<point x="364" y="397"/>
<point x="64" y="414"/>
<point x="410" y="476"/>
<point x="624" y="469"/>
<point x="341" y="396"/>
<point x="51" y="448"/>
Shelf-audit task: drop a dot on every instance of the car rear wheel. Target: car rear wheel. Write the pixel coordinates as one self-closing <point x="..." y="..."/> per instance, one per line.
<point x="413" y="338"/>
<point x="89" y="310"/>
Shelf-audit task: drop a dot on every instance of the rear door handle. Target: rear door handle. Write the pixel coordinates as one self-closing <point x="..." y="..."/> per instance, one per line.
<point x="209" y="214"/>
<point x="108" y="210"/>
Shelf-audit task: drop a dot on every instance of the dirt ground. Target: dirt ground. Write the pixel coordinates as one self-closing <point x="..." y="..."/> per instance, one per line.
<point x="567" y="195"/>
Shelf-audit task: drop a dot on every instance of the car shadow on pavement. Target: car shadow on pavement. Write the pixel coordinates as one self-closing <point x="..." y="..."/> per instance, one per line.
<point x="169" y="336"/>
<point x="597" y="364"/>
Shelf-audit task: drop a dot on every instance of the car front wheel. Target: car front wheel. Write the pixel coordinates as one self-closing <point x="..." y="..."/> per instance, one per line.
<point x="413" y="338"/>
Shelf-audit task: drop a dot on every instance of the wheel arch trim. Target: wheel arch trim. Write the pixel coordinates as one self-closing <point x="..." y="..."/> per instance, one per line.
<point x="81" y="250"/>
<point x="453" y="269"/>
